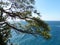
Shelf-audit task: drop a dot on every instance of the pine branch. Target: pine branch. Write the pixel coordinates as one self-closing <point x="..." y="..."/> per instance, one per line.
<point x="13" y="14"/>
<point x="20" y="30"/>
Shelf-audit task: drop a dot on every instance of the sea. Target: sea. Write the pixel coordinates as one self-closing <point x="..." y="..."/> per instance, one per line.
<point x="28" y="39"/>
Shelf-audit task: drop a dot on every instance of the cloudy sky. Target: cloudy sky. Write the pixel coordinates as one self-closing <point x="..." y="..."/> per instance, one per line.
<point x="49" y="9"/>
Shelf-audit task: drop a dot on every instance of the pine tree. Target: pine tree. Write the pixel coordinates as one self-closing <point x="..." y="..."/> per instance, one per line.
<point x="22" y="10"/>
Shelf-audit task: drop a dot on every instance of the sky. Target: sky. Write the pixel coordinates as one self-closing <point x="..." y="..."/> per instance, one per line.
<point x="49" y="9"/>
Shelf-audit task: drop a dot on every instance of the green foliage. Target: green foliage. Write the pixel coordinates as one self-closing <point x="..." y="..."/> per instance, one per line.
<point x="22" y="10"/>
<point x="4" y="32"/>
<point x="40" y="26"/>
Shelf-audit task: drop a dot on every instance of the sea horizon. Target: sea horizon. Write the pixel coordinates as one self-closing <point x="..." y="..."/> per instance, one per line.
<point x="31" y="40"/>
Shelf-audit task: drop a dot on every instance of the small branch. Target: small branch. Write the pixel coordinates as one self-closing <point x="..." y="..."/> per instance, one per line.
<point x="13" y="14"/>
<point x="20" y="30"/>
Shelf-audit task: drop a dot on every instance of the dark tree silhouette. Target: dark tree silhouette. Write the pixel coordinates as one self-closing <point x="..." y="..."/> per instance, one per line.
<point x="22" y="10"/>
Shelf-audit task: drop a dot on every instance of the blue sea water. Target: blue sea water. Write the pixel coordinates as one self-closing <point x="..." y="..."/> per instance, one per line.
<point x="26" y="39"/>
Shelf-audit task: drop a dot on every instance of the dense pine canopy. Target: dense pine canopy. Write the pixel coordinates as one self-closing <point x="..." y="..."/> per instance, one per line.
<point x="22" y="10"/>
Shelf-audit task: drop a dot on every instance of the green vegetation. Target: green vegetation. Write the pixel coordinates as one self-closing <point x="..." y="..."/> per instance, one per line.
<point x="22" y="10"/>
